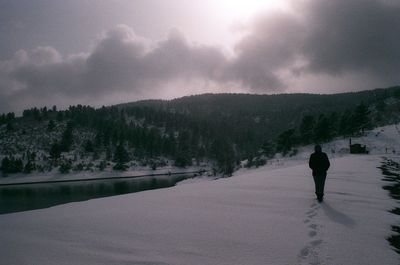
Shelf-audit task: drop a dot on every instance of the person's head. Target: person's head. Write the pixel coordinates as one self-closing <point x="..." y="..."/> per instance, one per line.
<point x="317" y="148"/>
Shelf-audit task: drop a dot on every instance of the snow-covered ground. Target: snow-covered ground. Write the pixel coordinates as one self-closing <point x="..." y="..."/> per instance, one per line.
<point x="383" y="141"/>
<point x="55" y="175"/>
<point x="263" y="216"/>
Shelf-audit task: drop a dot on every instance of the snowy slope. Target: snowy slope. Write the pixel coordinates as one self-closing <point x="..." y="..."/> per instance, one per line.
<point x="383" y="141"/>
<point x="256" y="217"/>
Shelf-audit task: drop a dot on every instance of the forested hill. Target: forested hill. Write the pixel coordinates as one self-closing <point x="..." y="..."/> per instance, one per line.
<point x="253" y="103"/>
<point x="277" y="112"/>
<point x="218" y="129"/>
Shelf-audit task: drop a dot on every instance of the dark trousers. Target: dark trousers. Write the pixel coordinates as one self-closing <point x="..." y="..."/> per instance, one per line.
<point x="319" y="181"/>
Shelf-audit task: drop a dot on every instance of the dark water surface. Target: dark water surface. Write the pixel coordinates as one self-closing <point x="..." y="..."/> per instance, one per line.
<point x="17" y="198"/>
<point x="391" y="171"/>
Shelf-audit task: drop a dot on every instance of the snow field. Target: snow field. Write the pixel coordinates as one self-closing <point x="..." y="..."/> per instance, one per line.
<point x="262" y="216"/>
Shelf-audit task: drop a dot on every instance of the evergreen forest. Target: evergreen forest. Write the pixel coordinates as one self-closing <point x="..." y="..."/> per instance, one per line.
<point x="218" y="130"/>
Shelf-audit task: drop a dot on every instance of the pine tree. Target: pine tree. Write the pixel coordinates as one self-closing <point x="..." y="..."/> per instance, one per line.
<point x="5" y="164"/>
<point x="334" y="124"/>
<point x="2" y="119"/>
<point x="89" y="146"/>
<point x="60" y="116"/>
<point x="345" y="123"/>
<point x="55" y="151"/>
<point x="267" y="149"/>
<point x="361" y="118"/>
<point x="29" y="167"/>
<point x="18" y="166"/>
<point x="108" y="153"/>
<point x="322" y="130"/>
<point x="67" y="138"/>
<point x="286" y="141"/>
<point x="10" y="126"/>
<point x="306" y="129"/>
<point x="65" y="167"/>
<point x="120" y="154"/>
<point x="11" y="165"/>
<point x="50" y="126"/>
<point x="183" y="156"/>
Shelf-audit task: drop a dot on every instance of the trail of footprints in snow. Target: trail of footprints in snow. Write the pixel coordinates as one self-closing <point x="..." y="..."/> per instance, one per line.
<point x="309" y="254"/>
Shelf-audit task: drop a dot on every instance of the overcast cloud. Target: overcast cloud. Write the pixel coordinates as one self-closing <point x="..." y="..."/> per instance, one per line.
<point x="318" y="43"/>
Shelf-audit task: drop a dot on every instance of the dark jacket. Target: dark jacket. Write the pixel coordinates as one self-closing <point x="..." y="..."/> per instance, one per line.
<point x="319" y="163"/>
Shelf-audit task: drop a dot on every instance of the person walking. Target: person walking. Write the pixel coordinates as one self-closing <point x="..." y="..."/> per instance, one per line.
<point x="319" y="163"/>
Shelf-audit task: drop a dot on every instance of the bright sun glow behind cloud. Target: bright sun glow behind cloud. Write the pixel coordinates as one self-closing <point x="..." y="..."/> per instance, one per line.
<point x="238" y="10"/>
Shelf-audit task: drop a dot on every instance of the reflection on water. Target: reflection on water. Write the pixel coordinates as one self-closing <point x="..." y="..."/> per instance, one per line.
<point x="29" y="197"/>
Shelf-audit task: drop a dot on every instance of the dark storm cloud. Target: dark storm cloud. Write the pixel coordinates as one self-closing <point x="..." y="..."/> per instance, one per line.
<point x="353" y="38"/>
<point x="325" y="37"/>
<point x="354" y="35"/>
<point x="120" y="62"/>
<point x="124" y="61"/>
<point x="271" y="45"/>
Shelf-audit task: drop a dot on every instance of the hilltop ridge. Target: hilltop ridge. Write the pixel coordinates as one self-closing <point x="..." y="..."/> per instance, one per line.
<point x="217" y="131"/>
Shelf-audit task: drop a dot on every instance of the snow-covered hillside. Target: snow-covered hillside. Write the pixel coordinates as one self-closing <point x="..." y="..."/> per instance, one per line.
<point x="383" y="141"/>
<point x="264" y="216"/>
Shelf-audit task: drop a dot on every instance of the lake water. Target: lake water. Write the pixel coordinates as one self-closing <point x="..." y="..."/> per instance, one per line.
<point x="37" y="196"/>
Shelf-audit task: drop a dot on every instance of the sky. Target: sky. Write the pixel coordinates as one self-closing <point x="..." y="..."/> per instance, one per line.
<point x="99" y="52"/>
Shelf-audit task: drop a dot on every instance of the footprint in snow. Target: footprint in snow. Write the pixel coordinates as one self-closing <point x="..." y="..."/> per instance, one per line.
<point x="310" y="253"/>
<point x="312" y="233"/>
<point x="313" y="226"/>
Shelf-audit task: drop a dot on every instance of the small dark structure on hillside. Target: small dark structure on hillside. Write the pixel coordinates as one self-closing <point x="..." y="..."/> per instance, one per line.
<point x="357" y="148"/>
